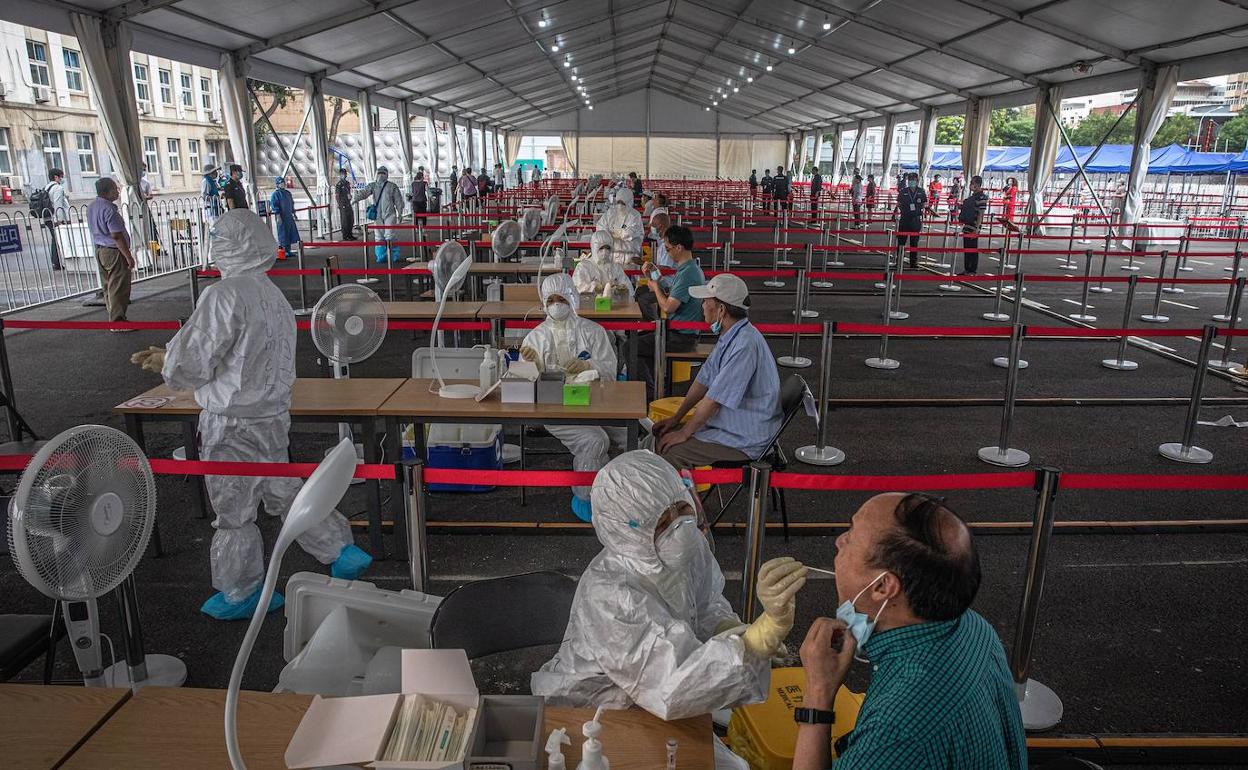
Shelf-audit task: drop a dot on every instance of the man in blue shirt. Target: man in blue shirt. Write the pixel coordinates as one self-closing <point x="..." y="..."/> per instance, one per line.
<point x="670" y="295"/>
<point x="941" y="695"/>
<point x="735" y="401"/>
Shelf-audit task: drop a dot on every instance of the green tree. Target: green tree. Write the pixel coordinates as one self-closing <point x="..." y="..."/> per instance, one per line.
<point x="1234" y="132"/>
<point x="272" y="98"/>
<point x="1090" y="130"/>
<point x="1177" y="129"/>
<point x="949" y="129"/>
<point x="1016" y="132"/>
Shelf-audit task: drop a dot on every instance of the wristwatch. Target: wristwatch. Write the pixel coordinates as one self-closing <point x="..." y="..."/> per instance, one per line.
<point x="805" y="716"/>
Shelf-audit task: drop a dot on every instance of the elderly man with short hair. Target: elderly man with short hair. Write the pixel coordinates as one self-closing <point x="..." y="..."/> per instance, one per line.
<point x="941" y="695"/>
<point x="112" y="248"/>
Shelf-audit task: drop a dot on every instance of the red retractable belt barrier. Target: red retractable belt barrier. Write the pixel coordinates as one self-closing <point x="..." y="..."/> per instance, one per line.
<point x="614" y="326"/>
<point x="1074" y="331"/>
<point x="811" y="481"/>
<point x="754" y="273"/>
<point x="211" y="273"/>
<point x="1144" y="481"/>
<point x="18" y="323"/>
<point x="924" y="331"/>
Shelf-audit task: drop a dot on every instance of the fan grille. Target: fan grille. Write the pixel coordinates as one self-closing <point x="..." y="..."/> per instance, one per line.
<point x="83" y="513"/>
<point x="506" y="238"/>
<point x="348" y="323"/>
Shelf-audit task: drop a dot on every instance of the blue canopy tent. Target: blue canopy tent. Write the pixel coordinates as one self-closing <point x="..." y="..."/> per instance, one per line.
<point x="1110" y="159"/>
<point x="1162" y="159"/>
<point x="1203" y="163"/>
<point x="1239" y="164"/>
<point x="1008" y="160"/>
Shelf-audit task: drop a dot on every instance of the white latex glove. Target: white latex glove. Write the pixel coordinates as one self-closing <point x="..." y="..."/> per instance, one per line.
<point x="578" y="366"/>
<point x="779" y="580"/>
<point x="152" y="359"/>
<point x="530" y="355"/>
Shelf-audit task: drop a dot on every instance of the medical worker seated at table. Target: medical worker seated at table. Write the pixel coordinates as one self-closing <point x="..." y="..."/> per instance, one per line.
<point x="582" y="350"/>
<point x="623" y="223"/>
<point x="649" y="625"/>
<point x="237" y="352"/>
<point x="600" y="271"/>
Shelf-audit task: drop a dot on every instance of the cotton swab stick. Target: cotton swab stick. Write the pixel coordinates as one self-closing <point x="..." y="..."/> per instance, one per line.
<point x="824" y="571"/>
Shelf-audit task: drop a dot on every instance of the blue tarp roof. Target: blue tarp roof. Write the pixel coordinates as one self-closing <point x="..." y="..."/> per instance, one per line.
<point x="1110" y="159"/>
<point x="1240" y="163"/>
<point x="1008" y="159"/>
<point x="1204" y="163"/>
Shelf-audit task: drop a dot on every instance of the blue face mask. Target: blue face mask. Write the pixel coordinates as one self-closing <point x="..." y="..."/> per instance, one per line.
<point x="911" y="183"/>
<point x="715" y="327"/>
<point x="860" y="625"/>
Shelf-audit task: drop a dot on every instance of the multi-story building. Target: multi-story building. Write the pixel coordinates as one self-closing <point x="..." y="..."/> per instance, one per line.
<point x="1237" y="91"/>
<point x="48" y="116"/>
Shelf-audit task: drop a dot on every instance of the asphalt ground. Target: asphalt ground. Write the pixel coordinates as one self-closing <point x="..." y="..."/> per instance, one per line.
<point x="1137" y="632"/>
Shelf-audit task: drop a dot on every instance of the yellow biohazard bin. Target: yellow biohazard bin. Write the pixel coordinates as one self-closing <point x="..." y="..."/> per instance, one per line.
<point x="764" y="734"/>
<point x="661" y="409"/>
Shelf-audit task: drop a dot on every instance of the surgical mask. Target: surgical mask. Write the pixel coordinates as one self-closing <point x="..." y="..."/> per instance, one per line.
<point x="860" y="624"/>
<point x="382" y="178"/>
<point x="654" y="232"/>
<point x="717" y="324"/>
<point x="911" y="183"/>
<point x="559" y="311"/>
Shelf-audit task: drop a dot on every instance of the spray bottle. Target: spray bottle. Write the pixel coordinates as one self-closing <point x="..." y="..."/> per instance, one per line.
<point x="554" y="749"/>
<point x="489" y="368"/>
<point x="591" y="750"/>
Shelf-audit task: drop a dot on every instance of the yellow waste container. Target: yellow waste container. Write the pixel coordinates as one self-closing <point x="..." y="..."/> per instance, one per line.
<point x="662" y="408"/>
<point x="764" y="734"/>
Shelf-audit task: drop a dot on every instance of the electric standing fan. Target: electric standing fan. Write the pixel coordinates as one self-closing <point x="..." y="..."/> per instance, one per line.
<point x="531" y="223"/>
<point x="316" y="499"/>
<point x="550" y="211"/>
<point x="505" y="239"/>
<point x="449" y="267"/>
<point x="79" y="522"/>
<point x="348" y="325"/>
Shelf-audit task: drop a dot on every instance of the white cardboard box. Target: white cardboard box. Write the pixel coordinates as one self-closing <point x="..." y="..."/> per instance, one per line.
<point x="519" y="384"/>
<point x="353" y="732"/>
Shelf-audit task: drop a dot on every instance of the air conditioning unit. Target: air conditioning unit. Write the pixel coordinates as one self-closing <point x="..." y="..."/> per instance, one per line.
<point x="145" y="108"/>
<point x="215" y="116"/>
<point x="43" y="94"/>
<point x="4" y="91"/>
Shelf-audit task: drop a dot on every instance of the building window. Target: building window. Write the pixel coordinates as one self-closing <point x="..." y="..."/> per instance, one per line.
<point x="141" y="88"/>
<point x="149" y="153"/>
<point x="166" y="86"/>
<point x="205" y="93"/>
<point x="184" y="85"/>
<point x="6" y="160"/>
<point x="38" y="55"/>
<point x="73" y="69"/>
<point x="86" y="153"/>
<point x="53" y="155"/>
<point x="214" y="153"/>
<point x="192" y="153"/>
<point x="174" y="147"/>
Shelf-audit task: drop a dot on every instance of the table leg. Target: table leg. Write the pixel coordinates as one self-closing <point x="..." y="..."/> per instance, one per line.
<point x="134" y="429"/>
<point x="523" y="489"/>
<point x="368" y="429"/>
<point x="632" y="355"/>
<point x="394" y="453"/>
<point x="632" y="428"/>
<point x="191" y="442"/>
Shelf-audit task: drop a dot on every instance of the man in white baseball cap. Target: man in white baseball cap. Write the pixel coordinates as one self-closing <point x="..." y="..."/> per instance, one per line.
<point x="735" y="401"/>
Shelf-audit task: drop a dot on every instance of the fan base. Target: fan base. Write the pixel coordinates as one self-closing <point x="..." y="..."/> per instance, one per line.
<point x="162" y="671"/>
<point x="459" y="391"/>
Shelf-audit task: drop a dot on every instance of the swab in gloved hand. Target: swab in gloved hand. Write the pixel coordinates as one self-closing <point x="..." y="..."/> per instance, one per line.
<point x="779" y="580"/>
<point x="822" y="571"/>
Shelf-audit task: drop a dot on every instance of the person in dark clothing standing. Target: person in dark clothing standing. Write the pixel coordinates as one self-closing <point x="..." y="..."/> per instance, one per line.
<point x="971" y="216"/>
<point x="769" y="184"/>
<point x="911" y="203"/>
<point x="235" y="193"/>
<point x="753" y="183"/>
<point x="637" y="186"/>
<point x="346" y="213"/>
<point x="420" y="194"/>
<point x="780" y="190"/>
<point x="816" y="188"/>
<point x="871" y="190"/>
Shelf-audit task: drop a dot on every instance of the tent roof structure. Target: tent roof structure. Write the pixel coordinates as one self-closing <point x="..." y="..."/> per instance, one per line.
<point x="782" y="65"/>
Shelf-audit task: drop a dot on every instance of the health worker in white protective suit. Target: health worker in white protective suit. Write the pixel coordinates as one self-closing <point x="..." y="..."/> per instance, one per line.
<point x="649" y="625"/>
<point x="388" y="200"/>
<point x="584" y="352"/>
<point x="623" y="223"/>
<point x="594" y="275"/>
<point x="237" y="352"/>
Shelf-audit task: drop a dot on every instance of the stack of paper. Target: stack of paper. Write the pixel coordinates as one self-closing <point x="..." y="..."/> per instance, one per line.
<point x="427" y="731"/>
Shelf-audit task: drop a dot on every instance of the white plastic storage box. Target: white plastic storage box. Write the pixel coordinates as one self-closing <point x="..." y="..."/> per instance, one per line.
<point x="464" y="447"/>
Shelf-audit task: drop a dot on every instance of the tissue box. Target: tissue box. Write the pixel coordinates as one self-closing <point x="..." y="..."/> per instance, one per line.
<point x="550" y="388"/>
<point x="576" y="395"/>
<point x="353" y="732"/>
<point x="602" y="304"/>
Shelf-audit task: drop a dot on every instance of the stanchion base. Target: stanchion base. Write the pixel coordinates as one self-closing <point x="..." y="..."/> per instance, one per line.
<point x="1223" y="365"/>
<point x="810" y="314"/>
<point x="1120" y="364"/>
<point x="1154" y="319"/>
<point x="785" y="262"/>
<point x="366" y="279"/>
<point x="1082" y="317"/>
<point x="1101" y="289"/>
<point x="1041" y="707"/>
<point x="898" y="315"/>
<point x="995" y="317"/>
<point x="1007" y="458"/>
<point x="1224" y="317"/>
<point x="1131" y="268"/>
<point x="793" y="362"/>
<point x="1187" y="269"/>
<point x="774" y="284"/>
<point x="881" y="285"/>
<point x="836" y="263"/>
<point x="1004" y="363"/>
<point x="882" y="363"/>
<point x="813" y="455"/>
<point x="1067" y="267"/>
<point x="1181" y="454"/>
<point x="821" y="284"/>
<point x="162" y="671"/>
<point x="1172" y="290"/>
<point x="949" y="287"/>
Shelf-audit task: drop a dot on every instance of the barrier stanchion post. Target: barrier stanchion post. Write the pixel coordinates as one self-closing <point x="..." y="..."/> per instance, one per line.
<point x="1225" y="363"/>
<point x="303" y="308"/>
<point x="820" y="453"/>
<point x="660" y="358"/>
<point x="193" y="271"/>
<point x="416" y="512"/>
<point x="1239" y="236"/>
<point x="1185" y="451"/>
<point x="774" y="282"/>
<point x="1230" y="292"/>
<point x="836" y="242"/>
<point x="895" y="312"/>
<point x="755" y="529"/>
<point x="1002" y="454"/>
<point x="996" y="314"/>
<point x="1083" y="315"/>
<point x="1173" y="288"/>
<point x="1101" y="288"/>
<point x="804" y="286"/>
<point x="1069" y="264"/>
<point x="794" y="360"/>
<point x="882" y="361"/>
<point x="1184" y="243"/>
<point x="1015" y="319"/>
<point x="784" y="238"/>
<point x="952" y="258"/>
<point x="1040" y="706"/>
<point x="1120" y="363"/>
<point x="1156" y="317"/>
<point x="12" y="420"/>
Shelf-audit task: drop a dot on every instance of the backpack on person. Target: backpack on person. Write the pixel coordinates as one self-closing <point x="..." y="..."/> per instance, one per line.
<point x="41" y="202"/>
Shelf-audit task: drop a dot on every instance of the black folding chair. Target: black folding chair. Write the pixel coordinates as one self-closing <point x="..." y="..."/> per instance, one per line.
<point x="504" y="614"/>
<point x="23" y="638"/>
<point x="792" y="393"/>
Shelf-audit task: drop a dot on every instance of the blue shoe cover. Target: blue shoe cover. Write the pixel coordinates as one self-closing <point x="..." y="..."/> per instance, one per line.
<point x="351" y="563"/>
<point x="221" y="608"/>
<point x="380" y="253"/>
<point x="582" y="509"/>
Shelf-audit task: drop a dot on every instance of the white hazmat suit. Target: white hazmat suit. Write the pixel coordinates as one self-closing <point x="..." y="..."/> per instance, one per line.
<point x="592" y="275"/>
<point x="237" y="352"/>
<point x="623" y="223"/>
<point x="389" y="200"/>
<point x="584" y="351"/>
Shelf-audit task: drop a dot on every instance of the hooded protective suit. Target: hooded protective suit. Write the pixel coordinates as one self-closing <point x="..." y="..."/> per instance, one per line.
<point x="623" y="223"/>
<point x="237" y="351"/>
<point x="282" y="206"/>
<point x="592" y="274"/>
<point x="389" y="200"/>
<point x="649" y="624"/>
<point x="558" y="345"/>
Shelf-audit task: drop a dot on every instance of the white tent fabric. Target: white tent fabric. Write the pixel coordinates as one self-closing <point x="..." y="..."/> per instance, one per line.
<point x="236" y="104"/>
<point x="790" y="153"/>
<point x="1157" y="88"/>
<point x="766" y="152"/>
<point x="473" y="160"/>
<point x="802" y="156"/>
<point x="818" y="155"/>
<point x="365" y="100"/>
<point x="404" y="119"/>
<point x="571" y="149"/>
<point x="890" y="132"/>
<point x="431" y="138"/>
<point x="678" y="157"/>
<point x="1043" y="150"/>
<point x="313" y="90"/>
<point x="513" y="140"/>
<point x="975" y="137"/>
<point x="927" y="142"/>
<point x="105" y="47"/>
<point x="860" y="146"/>
<point x="734" y="157"/>
<point x="838" y="137"/>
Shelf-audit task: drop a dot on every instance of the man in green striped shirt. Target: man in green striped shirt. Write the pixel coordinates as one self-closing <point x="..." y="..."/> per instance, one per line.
<point x="941" y="694"/>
